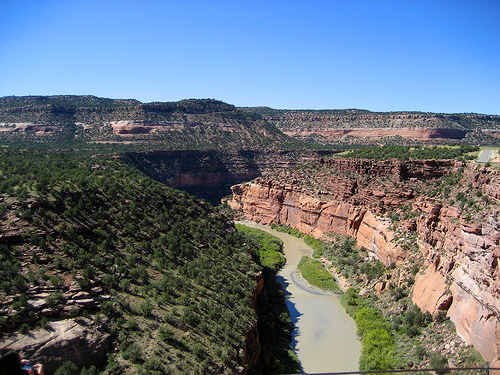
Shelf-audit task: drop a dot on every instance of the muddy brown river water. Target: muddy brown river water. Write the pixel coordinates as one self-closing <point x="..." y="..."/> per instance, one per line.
<point x="324" y="337"/>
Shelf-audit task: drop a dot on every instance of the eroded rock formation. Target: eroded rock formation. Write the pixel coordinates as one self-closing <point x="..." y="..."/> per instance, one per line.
<point x="210" y="175"/>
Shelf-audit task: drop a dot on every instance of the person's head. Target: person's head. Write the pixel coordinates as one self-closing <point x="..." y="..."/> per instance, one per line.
<point x="10" y="362"/>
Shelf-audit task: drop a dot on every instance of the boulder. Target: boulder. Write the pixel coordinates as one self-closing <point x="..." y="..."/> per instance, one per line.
<point x="78" y="341"/>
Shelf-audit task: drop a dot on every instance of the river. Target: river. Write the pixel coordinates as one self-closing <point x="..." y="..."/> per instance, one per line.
<point x="324" y="337"/>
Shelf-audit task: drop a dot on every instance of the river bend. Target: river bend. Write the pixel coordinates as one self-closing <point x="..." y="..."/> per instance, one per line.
<point x="324" y="337"/>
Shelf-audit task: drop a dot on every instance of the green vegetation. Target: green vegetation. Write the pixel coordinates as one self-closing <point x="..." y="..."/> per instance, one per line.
<point x="314" y="271"/>
<point x="275" y="325"/>
<point x="347" y="258"/>
<point x="194" y="124"/>
<point x="268" y="251"/>
<point x="179" y="277"/>
<point x="413" y="152"/>
<point x="394" y="331"/>
<point x="287" y="229"/>
<point x="378" y="344"/>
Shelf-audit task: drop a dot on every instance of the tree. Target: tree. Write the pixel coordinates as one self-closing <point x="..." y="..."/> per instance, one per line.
<point x="67" y="368"/>
<point x="377" y="353"/>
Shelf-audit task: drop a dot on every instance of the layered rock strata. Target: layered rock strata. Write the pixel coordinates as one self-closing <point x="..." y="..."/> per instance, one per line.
<point x="461" y="275"/>
<point x="79" y="341"/>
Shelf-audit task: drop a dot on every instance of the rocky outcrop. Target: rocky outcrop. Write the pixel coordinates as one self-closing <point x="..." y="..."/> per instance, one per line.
<point x="316" y="217"/>
<point x="63" y="338"/>
<point x="249" y="355"/>
<point x="374" y="134"/>
<point x="30" y="128"/>
<point x="461" y="278"/>
<point x="79" y="341"/>
<point x="339" y="204"/>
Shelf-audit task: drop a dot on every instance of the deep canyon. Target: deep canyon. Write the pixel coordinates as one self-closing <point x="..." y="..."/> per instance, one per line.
<point x="459" y="274"/>
<point x="439" y="217"/>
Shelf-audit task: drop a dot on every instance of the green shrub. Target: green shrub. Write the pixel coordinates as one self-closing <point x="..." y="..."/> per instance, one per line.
<point x="369" y="319"/>
<point x="67" y="368"/>
<point x="314" y="272"/>
<point x="165" y="334"/>
<point x="267" y="248"/>
<point x="132" y="324"/>
<point x="377" y="352"/>
<point x="24" y="329"/>
<point x="54" y="298"/>
<point x="352" y="302"/>
<point x="133" y="353"/>
<point x="92" y="370"/>
<point x="439" y="362"/>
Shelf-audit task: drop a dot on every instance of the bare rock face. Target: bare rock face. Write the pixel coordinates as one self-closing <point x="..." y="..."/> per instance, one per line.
<point x="341" y="205"/>
<point x="417" y="134"/>
<point x="462" y="276"/>
<point x="68" y="340"/>
<point x="359" y="126"/>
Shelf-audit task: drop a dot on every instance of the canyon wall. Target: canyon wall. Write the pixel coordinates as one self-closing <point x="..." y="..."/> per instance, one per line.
<point x="461" y="276"/>
<point x="209" y="175"/>
<point x="461" y="273"/>
<point x="202" y="122"/>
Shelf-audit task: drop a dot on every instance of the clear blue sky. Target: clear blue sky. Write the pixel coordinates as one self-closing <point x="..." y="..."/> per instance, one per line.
<point x="422" y="55"/>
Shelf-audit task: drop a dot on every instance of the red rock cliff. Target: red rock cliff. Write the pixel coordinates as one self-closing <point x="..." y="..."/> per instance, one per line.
<point x="462" y="277"/>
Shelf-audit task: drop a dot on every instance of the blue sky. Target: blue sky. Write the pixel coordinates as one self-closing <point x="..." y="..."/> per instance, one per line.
<point x="435" y="56"/>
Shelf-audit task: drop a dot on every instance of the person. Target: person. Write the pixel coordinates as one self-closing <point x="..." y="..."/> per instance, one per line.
<point x="11" y="364"/>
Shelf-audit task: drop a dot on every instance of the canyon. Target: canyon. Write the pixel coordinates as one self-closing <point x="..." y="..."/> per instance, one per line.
<point x="401" y="211"/>
<point x="442" y="215"/>
<point x="209" y="175"/>
<point x="102" y="266"/>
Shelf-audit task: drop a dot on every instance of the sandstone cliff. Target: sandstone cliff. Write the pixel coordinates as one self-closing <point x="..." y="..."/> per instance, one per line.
<point x="391" y="207"/>
<point x="461" y="276"/>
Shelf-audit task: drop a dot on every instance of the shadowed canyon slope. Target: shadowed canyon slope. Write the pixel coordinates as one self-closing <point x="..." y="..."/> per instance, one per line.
<point x="210" y="175"/>
<point x="449" y="209"/>
<point x="102" y="266"/>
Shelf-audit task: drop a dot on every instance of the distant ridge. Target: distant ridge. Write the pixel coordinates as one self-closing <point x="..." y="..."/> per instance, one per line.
<point x="213" y="124"/>
<point x="186" y="124"/>
<point x="359" y="126"/>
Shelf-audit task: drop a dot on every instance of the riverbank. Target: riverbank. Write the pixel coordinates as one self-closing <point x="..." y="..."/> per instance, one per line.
<point x="318" y="317"/>
<point x="315" y="272"/>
